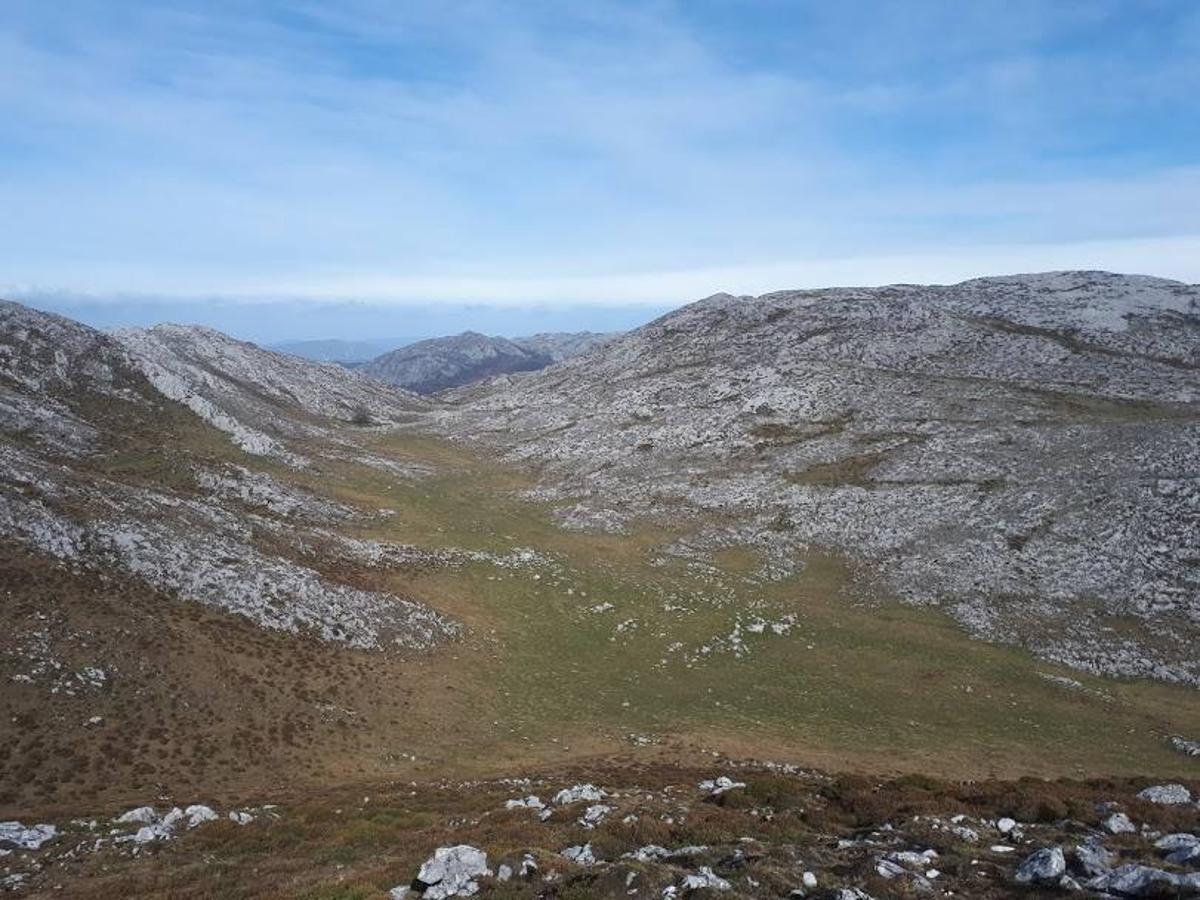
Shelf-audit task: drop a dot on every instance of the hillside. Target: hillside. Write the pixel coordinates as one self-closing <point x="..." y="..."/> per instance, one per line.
<point x="1022" y="451"/>
<point x="439" y="363"/>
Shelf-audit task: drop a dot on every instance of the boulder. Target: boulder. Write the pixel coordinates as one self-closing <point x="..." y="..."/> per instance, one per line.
<point x="717" y="786"/>
<point x="594" y="815"/>
<point x="1166" y="794"/>
<point x="1045" y="866"/>
<point x="706" y="879"/>
<point x="197" y="814"/>
<point x="142" y="815"/>
<point x="578" y="794"/>
<point x="1091" y="859"/>
<point x="580" y="854"/>
<point x="1118" y="823"/>
<point x="451" y="872"/>
<point x="1136" y="881"/>
<point x="14" y="835"/>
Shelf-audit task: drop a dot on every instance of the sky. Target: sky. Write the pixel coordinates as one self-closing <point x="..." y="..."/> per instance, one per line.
<point x="269" y="163"/>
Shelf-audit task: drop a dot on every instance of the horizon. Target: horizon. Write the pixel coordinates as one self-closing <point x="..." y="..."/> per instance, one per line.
<point x="360" y="323"/>
<point x="613" y="157"/>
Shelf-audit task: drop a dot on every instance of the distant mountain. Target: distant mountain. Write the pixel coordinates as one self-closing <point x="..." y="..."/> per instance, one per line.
<point x="340" y="351"/>
<point x="433" y="365"/>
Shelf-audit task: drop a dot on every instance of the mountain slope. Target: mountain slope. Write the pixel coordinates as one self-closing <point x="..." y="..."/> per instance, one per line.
<point x="261" y="398"/>
<point x="1023" y="450"/>
<point x="439" y="363"/>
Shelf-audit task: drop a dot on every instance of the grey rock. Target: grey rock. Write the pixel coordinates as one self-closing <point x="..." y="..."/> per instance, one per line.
<point x="1045" y="866"/>
<point x="16" y="835"/>
<point x="451" y="872"/>
<point x="719" y="785"/>
<point x="578" y="794"/>
<point x="1179" y="841"/>
<point x="1118" y="823"/>
<point x="1091" y="859"/>
<point x="1166" y="794"/>
<point x="581" y="854"/>
<point x="705" y="879"/>
<point x="1135" y="881"/>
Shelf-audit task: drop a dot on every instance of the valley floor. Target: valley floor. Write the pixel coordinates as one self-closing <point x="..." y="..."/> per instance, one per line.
<point x="626" y="660"/>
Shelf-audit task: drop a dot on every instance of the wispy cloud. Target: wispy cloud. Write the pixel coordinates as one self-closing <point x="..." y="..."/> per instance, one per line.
<point x="504" y="151"/>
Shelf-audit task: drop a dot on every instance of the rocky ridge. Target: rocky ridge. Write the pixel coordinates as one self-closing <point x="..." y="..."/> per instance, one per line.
<point x="260" y="398"/>
<point x="73" y="399"/>
<point x="1022" y="450"/>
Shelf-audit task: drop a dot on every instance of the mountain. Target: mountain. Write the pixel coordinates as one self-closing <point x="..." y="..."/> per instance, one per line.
<point x="695" y="611"/>
<point x="433" y="365"/>
<point x="149" y="530"/>
<point x="1022" y="451"/>
<point x="340" y="351"/>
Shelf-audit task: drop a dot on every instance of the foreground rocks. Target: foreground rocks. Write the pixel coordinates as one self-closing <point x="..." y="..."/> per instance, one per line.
<point x="780" y="833"/>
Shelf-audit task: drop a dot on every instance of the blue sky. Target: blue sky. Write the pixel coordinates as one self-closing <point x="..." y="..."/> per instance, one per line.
<point x="569" y="154"/>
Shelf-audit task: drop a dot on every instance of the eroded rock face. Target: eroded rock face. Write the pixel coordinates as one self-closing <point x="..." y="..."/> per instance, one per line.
<point x="1019" y="449"/>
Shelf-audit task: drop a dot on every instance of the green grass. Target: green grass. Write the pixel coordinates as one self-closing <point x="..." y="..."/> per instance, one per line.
<point x="879" y="686"/>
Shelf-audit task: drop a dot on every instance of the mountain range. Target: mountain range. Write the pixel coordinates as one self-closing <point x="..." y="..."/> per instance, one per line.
<point x="690" y="581"/>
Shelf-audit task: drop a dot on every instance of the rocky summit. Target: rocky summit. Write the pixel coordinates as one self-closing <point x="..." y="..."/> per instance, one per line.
<point x="848" y="593"/>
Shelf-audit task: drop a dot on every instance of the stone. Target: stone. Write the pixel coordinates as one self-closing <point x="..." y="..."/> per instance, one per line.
<point x="143" y="815"/>
<point x="1045" y="866"/>
<point x="504" y="872"/>
<point x="706" y="879"/>
<point x="197" y="814"/>
<point x="530" y="802"/>
<point x="580" y="854"/>
<point x="1118" y="823"/>
<point x="578" y="794"/>
<point x="1135" y="881"/>
<point x="240" y="818"/>
<point x="16" y="835"/>
<point x="649" y="853"/>
<point x="451" y="872"/>
<point x="1179" y="841"/>
<point x="1185" y="856"/>
<point x="717" y="786"/>
<point x="1091" y="859"/>
<point x="1166" y="794"/>
<point x="594" y="815"/>
<point x="1005" y="825"/>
